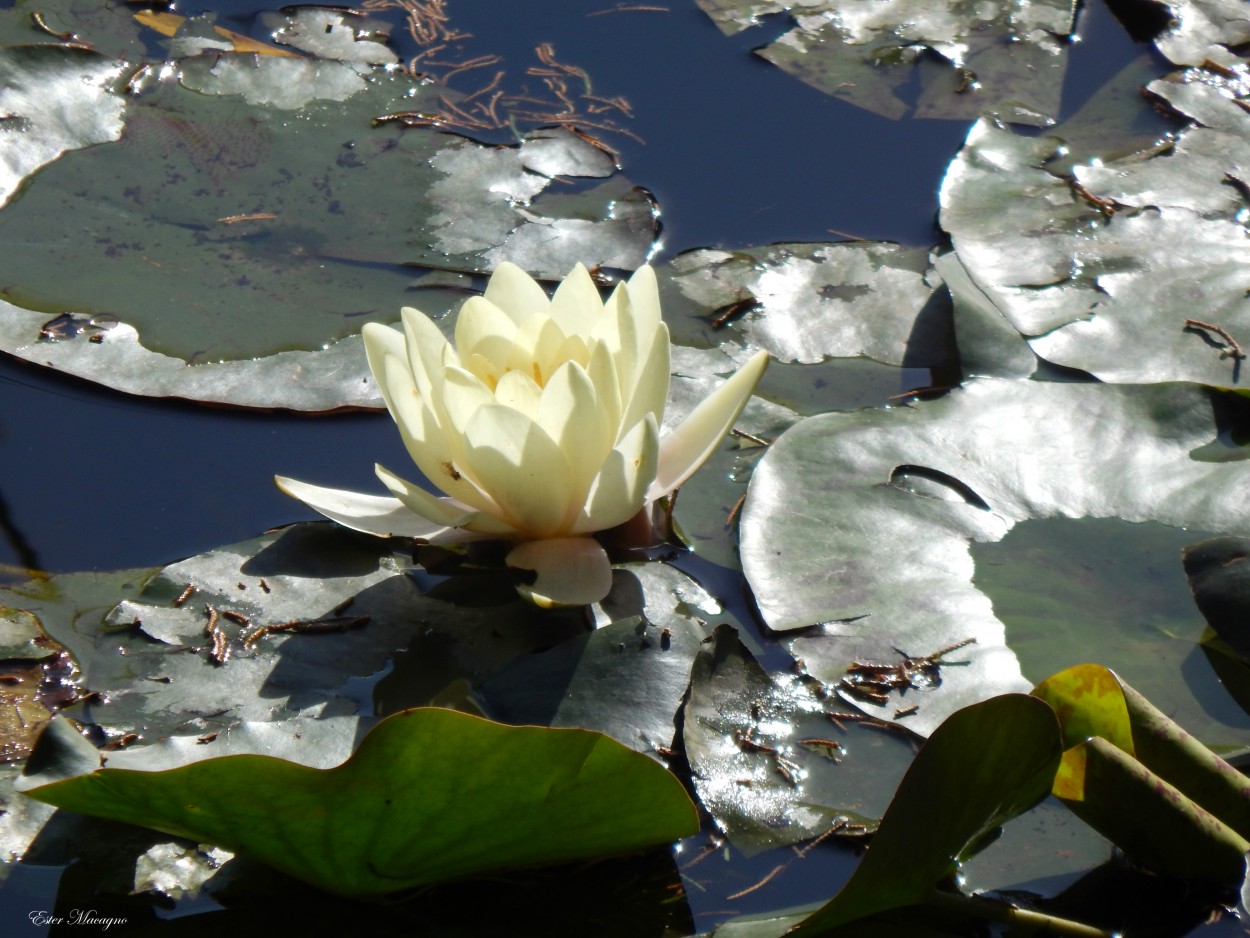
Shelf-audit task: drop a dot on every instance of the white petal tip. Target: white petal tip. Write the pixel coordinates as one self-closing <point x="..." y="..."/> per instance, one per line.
<point x="372" y="514"/>
<point x="567" y="571"/>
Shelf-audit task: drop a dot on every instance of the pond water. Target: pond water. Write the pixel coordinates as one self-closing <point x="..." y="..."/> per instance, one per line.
<point x="736" y="152"/>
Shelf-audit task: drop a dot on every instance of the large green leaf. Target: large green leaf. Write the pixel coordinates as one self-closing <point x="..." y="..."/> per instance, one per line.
<point x="1206" y="796"/>
<point x="983" y="766"/>
<point x="862" y="522"/>
<point x="428" y="795"/>
<point x="1005" y="59"/>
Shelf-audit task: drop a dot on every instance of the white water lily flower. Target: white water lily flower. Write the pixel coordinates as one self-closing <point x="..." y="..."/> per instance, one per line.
<point x="540" y="425"/>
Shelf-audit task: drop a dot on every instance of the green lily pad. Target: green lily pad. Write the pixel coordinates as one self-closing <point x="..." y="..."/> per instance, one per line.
<point x="861" y="522"/>
<point x="1093" y="702"/>
<point x="1220" y="580"/>
<point x="985" y="765"/>
<point x="428" y="795"/>
<point x="107" y="27"/>
<point x="1006" y="60"/>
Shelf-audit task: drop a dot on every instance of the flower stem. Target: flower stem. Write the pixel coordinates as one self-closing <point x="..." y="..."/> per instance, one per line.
<point x="1022" y="921"/>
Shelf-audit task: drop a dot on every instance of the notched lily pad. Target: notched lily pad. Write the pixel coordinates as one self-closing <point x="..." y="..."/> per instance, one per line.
<point x="401" y="812"/>
<point x="1005" y="59"/>
<point x="862" y="522"/>
<point x="299" y="217"/>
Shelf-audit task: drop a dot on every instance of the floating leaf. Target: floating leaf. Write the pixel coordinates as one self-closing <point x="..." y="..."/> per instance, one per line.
<point x="1202" y="30"/>
<point x="87" y="111"/>
<point x="1005" y="60"/>
<point x="863" y="521"/>
<point x="332" y="34"/>
<point x="811" y="302"/>
<point x="1134" y="269"/>
<point x="628" y="677"/>
<point x="1104" y="589"/>
<point x="299" y="215"/>
<point x="428" y="795"/>
<point x="768" y="764"/>
<point x="983" y="766"/>
<point x="108" y="28"/>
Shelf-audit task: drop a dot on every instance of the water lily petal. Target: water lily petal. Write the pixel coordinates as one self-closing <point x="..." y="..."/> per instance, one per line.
<point x="463" y="394"/>
<point x="650" y="392"/>
<point x="689" y="445"/>
<point x="426" y="347"/>
<point x="576" y="305"/>
<point x="601" y="369"/>
<point x="568" y="571"/>
<point x="620" y="489"/>
<point x="516" y="293"/>
<point x="446" y="512"/>
<point x="617" y="331"/>
<point x="523" y="469"/>
<point x="519" y="391"/>
<point x="373" y="514"/>
<point x="574" y="348"/>
<point x="536" y="348"/>
<point x="381" y="341"/>
<point x="644" y="298"/>
<point x="569" y="412"/>
<point x="482" y="328"/>
<point x="437" y="453"/>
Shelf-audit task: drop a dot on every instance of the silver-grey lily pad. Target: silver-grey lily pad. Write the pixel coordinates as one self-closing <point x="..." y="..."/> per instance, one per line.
<point x="1133" y="270"/>
<point x="252" y="218"/>
<point x="811" y="302"/>
<point x="861" y="522"/>
<point x="1000" y="59"/>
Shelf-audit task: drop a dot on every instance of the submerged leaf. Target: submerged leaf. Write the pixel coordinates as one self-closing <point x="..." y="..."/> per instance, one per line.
<point x="1005" y="60"/>
<point x="428" y="795"/>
